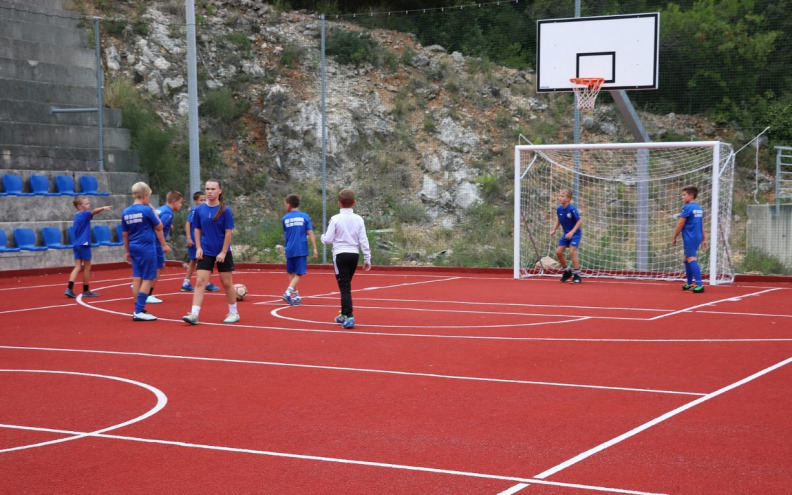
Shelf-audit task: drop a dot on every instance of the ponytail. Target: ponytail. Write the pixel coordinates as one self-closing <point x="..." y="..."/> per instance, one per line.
<point x="222" y="208"/>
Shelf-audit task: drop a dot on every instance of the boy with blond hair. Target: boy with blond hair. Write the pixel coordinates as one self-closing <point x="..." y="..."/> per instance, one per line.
<point x="142" y="229"/>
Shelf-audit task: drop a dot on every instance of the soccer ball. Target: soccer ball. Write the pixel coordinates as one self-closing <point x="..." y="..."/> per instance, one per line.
<point x="241" y="291"/>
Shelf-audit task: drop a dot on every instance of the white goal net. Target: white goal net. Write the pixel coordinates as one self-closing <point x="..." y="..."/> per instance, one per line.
<point x="629" y="198"/>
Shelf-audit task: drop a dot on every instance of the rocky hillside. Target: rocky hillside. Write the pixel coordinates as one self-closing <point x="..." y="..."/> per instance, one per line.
<point x="424" y="135"/>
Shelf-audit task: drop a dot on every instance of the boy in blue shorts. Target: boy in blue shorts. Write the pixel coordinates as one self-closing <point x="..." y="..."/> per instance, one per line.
<point x="691" y="226"/>
<point x="165" y="212"/>
<point x="214" y="227"/>
<point x="82" y="244"/>
<point x="296" y="229"/>
<point x="189" y="232"/>
<point x="142" y="230"/>
<point x="569" y="219"/>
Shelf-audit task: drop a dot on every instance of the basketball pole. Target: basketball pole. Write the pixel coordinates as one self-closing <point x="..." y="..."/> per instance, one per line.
<point x="576" y="140"/>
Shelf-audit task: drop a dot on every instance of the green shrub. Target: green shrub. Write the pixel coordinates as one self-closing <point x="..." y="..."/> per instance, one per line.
<point x="239" y="40"/>
<point x="757" y="260"/>
<point x="351" y="47"/>
<point x="222" y="104"/>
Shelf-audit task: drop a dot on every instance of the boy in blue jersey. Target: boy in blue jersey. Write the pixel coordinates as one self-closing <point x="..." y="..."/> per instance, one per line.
<point x="81" y="244"/>
<point x="691" y="226"/>
<point x="142" y="230"/>
<point x="297" y="229"/>
<point x="214" y="226"/>
<point x="569" y="219"/>
<point x="165" y="212"/>
<point x="189" y="232"/>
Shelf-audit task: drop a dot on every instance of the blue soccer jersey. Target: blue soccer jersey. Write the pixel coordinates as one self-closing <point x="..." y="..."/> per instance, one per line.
<point x="568" y="217"/>
<point x="191" y="219"/>
<point x="296" y="225"/>
<point x="166" y="216"/>
<point x="212" y="231"/>
<point x="692" y="232"/>
<point x="81" y="229"/>
<point x="139" y="221"/>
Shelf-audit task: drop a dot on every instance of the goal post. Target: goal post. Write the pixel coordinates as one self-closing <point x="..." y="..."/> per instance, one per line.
<point x="629" y="197"/>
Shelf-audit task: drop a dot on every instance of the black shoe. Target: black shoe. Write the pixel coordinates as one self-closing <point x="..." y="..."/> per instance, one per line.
<point x="576" y="279"/>
<point x="566" y="276"/>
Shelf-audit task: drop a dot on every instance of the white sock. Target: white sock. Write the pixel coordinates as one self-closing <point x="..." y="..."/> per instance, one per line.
<point x="232" y="308"/>
<point x="196" y="310"/>
<point x="186" y="281"/>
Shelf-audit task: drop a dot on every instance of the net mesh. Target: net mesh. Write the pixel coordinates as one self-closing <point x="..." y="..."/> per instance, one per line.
<point x="586" y="90"/>
<point x="629" y="199"/>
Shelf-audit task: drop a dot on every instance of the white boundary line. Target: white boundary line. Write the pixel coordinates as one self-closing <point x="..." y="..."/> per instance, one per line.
<point x="405" y="467"/>
<point x="585" y="455"/>
<point x="344" y="368"/>
<point x="162" y="400"/>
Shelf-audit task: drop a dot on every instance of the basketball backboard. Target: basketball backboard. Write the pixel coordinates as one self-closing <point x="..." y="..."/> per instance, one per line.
<point x="622" y="49"/>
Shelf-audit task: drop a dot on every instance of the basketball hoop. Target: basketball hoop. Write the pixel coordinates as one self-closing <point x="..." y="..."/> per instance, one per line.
<point x="586" y="90"/>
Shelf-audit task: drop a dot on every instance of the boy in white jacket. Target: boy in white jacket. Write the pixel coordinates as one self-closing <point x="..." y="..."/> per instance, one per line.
<point x="347" y="233"/>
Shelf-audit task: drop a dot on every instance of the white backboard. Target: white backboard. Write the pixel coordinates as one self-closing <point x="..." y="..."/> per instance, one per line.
<point x="621" y="49"/>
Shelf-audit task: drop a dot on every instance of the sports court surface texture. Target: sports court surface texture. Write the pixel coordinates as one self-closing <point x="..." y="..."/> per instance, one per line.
<point x="451" y="383"/>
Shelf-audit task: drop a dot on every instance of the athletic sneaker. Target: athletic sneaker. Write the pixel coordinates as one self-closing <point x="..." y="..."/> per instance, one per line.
<point x="349" y="322"/>
<point x="566" y="276"/>
<point x="143" y="316"/>
<point x="210" y="287"/>
<point x="190" y="318"/>
<point x="90" y="294"/>
<point x="296" y="301"/>
<point x="688" y="286"/>
<point x="153" y="300"/>
<point x="287" y="297"/>
<point x="576" y="279"/>
<point x="231" y="318"/>
<point x="340" y="318"/>
<point x="70" y="293"/>
<point x="698" y="289"/>
<point x="187" y="288"/>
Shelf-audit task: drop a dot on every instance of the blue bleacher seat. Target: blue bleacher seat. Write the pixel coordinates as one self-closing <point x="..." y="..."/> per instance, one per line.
<point x="52" y="237"/>
<point x="12" y="184"/>
<point x="4" y="244"/>
<point x="120" y="234"/>
<point x="90" y="185"/>
<point x="71" y="237"/>
<point x="65" y="185"/>
<point x="40" y="185"/>
<point x="25" y="239"/>
<point x="102" y="234"/>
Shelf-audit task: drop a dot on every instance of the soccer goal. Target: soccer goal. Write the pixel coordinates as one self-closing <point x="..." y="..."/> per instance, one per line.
<point x="629" y="197"/>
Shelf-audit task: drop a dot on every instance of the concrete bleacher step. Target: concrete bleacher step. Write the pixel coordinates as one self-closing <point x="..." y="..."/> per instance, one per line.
<point x="60" y="135"/>
<point x="40" y="112"/>
<point x="47" y="52"/>
<point x="59" y="209"/>
<point x="50" y="158"/>
<point x="42" y="72"/>
<point x="32" y="260"/>
<point x="35" y="13"/>
<point x="63" y="36"/>
<point x="56" y="94"/>
<point x="45" y="6"/>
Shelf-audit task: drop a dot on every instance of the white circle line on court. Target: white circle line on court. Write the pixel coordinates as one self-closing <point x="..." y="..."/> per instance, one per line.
<point x="162" y="400"/>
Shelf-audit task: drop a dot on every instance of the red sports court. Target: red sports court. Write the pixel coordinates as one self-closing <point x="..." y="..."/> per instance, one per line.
<point x="451" y="382"/>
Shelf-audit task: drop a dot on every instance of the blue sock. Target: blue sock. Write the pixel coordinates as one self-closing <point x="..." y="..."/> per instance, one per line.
<point x="140" y="302"/>
<point x="688" y="272"/>
<point x="696" y="270"/>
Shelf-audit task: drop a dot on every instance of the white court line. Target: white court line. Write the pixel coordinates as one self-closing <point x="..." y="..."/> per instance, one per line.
<point x="344" y="368"/>
<point x="712" y="303"/>
<point x="404" y="467"/>
<point x="599" y="448"/>
<point x="162" y="400"/>
<point x="733" y="313"/>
